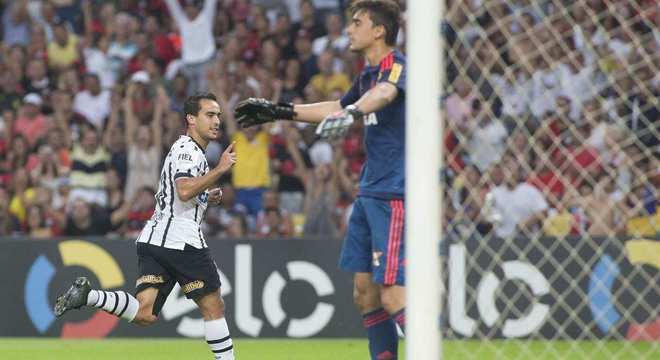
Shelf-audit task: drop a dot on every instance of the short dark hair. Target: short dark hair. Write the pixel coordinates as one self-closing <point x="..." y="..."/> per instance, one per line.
<point x="381" y="12"/>
<point x="191" y="105"/>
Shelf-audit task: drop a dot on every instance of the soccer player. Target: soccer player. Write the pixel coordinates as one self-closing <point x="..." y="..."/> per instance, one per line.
<point x="171" y="247"/>
<point x="373" y="248"/>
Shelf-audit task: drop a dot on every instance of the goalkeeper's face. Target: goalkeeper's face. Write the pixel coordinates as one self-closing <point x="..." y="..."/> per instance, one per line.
<point x="362" y="32"/>
<point x="207" y="121"/>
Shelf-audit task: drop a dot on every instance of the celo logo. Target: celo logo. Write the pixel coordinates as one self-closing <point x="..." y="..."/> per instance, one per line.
<point x="42" y="271"/>
<point x="271" y="297"/>
<point x="514" y="270"/>
<point x="639" y="252"/>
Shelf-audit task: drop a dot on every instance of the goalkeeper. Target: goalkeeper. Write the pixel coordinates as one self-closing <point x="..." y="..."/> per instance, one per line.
<point x="374" y="247"/>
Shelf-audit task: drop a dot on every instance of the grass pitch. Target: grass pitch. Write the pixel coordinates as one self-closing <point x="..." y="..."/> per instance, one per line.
<point x="283" y="349"/>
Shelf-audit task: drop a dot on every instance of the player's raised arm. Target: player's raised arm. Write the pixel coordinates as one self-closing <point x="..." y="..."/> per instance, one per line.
<point x="187" y="187"/>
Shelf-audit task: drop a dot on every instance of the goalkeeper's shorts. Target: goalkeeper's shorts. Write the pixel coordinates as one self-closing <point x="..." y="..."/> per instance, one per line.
<point x="374" y="241"/>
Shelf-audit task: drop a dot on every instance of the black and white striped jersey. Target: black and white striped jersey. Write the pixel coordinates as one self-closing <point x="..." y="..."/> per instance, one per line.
<point x="176" y="223"/>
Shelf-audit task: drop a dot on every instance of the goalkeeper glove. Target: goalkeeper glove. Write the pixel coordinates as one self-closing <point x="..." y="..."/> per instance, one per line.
<point x="336" y="125"/>
<point x="255" y="111"/>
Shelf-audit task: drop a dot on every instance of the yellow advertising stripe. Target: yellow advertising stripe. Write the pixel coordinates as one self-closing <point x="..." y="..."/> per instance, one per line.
<point x="644" y="251"/>
<point x="94" y="258"/>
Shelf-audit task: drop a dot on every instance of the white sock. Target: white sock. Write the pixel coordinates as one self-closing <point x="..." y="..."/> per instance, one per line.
<point x="118" y="303"/>
<point x="217" y="336"/>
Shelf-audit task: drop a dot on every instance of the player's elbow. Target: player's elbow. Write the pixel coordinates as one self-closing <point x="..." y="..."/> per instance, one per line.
<point x="184" y="195"/>
<point x="182" y="191"/>
<point x="386" y="92"/>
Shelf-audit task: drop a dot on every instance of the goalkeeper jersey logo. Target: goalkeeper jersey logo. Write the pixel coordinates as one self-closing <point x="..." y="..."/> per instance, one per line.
<point x="370" y="119"/>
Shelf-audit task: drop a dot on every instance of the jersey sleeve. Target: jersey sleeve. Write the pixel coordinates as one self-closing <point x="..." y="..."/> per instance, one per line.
<point x="393" y="71"/>
<point x="186" y="163"/>
<point x="352" y="95"/>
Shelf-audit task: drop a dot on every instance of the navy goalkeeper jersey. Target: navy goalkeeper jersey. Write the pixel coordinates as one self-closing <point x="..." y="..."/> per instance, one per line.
<point x="384" y="131"/>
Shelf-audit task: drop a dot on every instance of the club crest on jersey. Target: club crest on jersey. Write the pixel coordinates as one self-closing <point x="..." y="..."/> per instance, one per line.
<point x="375" y="258"/>
<point x="370" y="119"/>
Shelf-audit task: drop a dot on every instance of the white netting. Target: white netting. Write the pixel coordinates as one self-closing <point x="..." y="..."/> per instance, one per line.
<point x="552" y="177"/>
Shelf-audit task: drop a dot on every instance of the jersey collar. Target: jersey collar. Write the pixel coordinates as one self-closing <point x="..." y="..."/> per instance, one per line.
<point x="195" y="142"/>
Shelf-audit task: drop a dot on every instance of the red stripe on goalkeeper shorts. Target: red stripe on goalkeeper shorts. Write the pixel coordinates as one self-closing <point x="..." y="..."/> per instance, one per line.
<point x="394" y="242"/>
<point x="399" y="238"/>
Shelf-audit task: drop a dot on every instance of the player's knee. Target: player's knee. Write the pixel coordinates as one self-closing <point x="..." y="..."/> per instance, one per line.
<point x="364" y="297"/>
<point x="392" y="301"/>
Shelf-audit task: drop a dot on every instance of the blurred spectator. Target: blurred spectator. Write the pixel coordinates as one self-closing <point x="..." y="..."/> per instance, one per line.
<point x="335" y="40"/>
<point x="63" y="48"/>
<point x="327" y="80"/>
<point x="520" y="205"/>
<point x="144" y="143"/>
<point x="37" y="80"/>
<point x="9" y="223"/>
<point x="115" y="191"/>
<point x="251" y="175"/>
<point x="122" y="47"/>
<point x="46" y="167"/>
<point x="227" y="219"/>
<point x="68" y="121"/>
<point x="321" y="191"/>
<point x="31" y="122"/>
<point x="93" y="102"/>
<point x="308" y="61"/>
<point x="15" y="23"/>
<point x="84" y="220"/>
<point x="195" y="23"/>
<point x="272" y="220"/>
<point x="99" y="62"/>
<point x="36" y="225"/>
<point x="23" y="194"/>
<point x="10" y="98"/>
<point x="18" y="155"/>
<point x="89" y="164"/>
<point x="308" y="21"/>
<point x="140" y="210"/>
<point x="487" y="139"/>
<point x="459" y="105"/>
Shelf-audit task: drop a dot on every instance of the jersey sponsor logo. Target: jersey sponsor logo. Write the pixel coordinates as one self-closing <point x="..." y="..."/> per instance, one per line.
<point x="370" y="119"/>
<point x="192" y="286"/>
<point x="185" y="157"/>
<point x="395" y="73"/>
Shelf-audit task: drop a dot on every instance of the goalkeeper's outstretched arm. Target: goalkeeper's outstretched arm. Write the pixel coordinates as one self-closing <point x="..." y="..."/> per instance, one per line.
<point x="255" y="111"/>
<point x="315" y="113"/>
<point x="373" y="100"/>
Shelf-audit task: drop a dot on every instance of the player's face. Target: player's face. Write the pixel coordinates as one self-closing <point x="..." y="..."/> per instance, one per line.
<point x="207" y="121"/>
<point x="362" y="32"/>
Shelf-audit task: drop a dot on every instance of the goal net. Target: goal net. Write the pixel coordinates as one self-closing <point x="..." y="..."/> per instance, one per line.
<point x="551" y="178"/>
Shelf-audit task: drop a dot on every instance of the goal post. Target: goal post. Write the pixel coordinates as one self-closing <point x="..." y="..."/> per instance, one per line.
<point x="423" y="163"/>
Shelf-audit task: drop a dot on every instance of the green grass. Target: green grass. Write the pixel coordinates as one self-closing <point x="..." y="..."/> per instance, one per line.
<point x="341" y="349"/>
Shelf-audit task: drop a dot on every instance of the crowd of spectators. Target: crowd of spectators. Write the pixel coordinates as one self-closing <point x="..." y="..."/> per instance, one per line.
<point x="552" y="117"/>
<point x="551" y="114"/>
